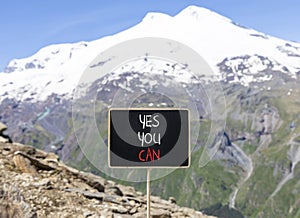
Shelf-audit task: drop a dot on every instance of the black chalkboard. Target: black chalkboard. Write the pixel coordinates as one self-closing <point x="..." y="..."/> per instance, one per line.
<point x="148" y="138"/>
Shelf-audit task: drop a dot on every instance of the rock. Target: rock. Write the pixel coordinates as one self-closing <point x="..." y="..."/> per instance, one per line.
<point x="119" y="209"/>
<point x="133" y="210"/>
<point x="87" y="213"/>
<point x="154" y="214"/>
<point x="139" y="193"/>
<point x="178" y="215"/>
<point x="188" y="210"/>
<point x="23" y="164"/>
<point x="3" y="127"/>
<point x="160" y="213"/>
<point x="127" y="190"/>
<point x="12" y="203"/>
<point x="49" y="188"/>
<point x="34" y="161"/>
<point x="52" y="157"/>
<point x="11" y="210"/>
<point x="132" y="203"/>
<point x="140" y="215"/>
<point x="44" y="182"/>
<point x="92" y="180"/>
<point x="136" y="199"/>
<point x="3" y="140"/>
<point x="161" y="205"/>
<point x="113" y="190"/>
<point x="90" y="195"/>
<point x="122" y="216"/>
<point x="172" y="200"/>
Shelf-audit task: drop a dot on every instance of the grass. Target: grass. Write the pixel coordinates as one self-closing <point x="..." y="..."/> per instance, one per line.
<point x="256" y="190"/>
<point x="199" y="187"/>
<point x="286" y="202"/>
<point x="249" y="148"/>
<point x="297" y="139"/>
<point x="212" y="185"/>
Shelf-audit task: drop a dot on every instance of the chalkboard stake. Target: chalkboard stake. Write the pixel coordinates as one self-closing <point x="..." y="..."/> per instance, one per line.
<point x="148" y="192"/>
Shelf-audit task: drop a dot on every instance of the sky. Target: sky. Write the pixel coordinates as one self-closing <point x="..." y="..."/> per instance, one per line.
<point x="28" y="25"/>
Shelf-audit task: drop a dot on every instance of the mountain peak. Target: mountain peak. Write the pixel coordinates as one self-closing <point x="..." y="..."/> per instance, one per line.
<point x="196" y="10"/>
<point x="51" y="55"/>
<point x="155" y="16"/>
<point x="223" y="43"/>
<point x="200" y="13"/>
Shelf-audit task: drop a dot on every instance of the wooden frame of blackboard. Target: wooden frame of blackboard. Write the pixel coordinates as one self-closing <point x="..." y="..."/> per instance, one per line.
<point x="145" y="167"/>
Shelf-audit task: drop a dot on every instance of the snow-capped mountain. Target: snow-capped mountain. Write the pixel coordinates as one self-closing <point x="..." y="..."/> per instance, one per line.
<point x="236" y="53"/>
<point x="259" y="75"/>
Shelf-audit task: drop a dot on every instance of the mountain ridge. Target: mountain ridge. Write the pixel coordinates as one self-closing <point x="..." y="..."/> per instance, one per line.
<point x="35" y="183"/>
<point x="66" y="62"/>
<point x="255" y="163"/>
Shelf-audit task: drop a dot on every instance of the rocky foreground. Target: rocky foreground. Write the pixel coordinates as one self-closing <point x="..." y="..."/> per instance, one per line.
<point x="34" y="183"/>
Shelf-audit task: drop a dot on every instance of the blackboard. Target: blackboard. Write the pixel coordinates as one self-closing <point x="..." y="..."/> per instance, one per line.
<point x="148" y="137"/>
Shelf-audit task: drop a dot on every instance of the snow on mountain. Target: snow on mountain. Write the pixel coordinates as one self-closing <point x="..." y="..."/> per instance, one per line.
<point x="236" y="53"/>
